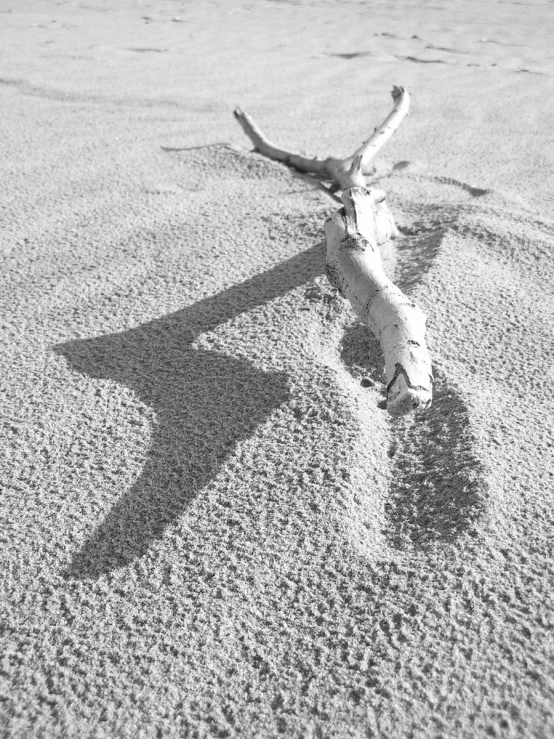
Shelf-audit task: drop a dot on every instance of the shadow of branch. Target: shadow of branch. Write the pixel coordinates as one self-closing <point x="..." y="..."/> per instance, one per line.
<point x="205" y="403"/>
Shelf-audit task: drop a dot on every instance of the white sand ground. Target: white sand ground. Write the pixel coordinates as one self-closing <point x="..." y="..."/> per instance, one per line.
<point x="211" y="527"/>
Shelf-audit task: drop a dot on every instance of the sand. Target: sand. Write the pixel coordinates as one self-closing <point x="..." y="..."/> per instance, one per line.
<point x="211" y="527"/>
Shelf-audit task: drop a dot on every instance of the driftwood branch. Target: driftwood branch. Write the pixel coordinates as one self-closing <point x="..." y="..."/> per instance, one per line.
<point x="346" y="172"/>
<point x="354" y="266"/>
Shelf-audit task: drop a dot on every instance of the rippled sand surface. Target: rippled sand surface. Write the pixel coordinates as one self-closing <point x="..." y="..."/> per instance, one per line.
<point x="211" y="527"/>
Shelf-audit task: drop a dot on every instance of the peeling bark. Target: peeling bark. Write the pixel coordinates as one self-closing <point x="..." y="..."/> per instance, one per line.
<point x="354" y="267"/>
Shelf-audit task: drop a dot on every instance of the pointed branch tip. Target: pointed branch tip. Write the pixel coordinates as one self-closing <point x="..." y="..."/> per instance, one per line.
<point x="397" y="92"/>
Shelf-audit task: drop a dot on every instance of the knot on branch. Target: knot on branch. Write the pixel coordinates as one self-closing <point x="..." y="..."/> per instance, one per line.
<point x="354" y="243"/>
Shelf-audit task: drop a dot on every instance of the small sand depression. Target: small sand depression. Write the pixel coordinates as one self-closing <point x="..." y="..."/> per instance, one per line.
<point x="211" y="525"/>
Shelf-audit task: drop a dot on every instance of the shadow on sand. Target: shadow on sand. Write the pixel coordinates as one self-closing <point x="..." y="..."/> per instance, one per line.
<point x="205" y="403"/>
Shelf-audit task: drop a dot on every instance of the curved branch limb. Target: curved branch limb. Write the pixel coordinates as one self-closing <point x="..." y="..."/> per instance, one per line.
<point x="368" y="150"/>
<point x="265" y="147"/>
<point x="354" y="267"/>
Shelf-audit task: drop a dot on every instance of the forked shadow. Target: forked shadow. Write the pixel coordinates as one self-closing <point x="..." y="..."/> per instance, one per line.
<point x="205" y="403"/>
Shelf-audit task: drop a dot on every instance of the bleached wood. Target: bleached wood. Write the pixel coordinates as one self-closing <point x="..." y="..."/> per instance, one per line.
<point x="368" y="150"/>
<point x="265" y="147"/>
<point x="346" y="172"/>
<point x="354" y="267"/>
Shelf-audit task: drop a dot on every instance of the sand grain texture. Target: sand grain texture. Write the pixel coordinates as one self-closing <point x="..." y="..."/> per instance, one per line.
<point x="210" y="525"/>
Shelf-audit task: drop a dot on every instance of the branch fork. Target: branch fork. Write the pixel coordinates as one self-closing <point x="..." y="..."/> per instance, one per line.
<point x="344" y="173"/>
<point x="353" y="235"/>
